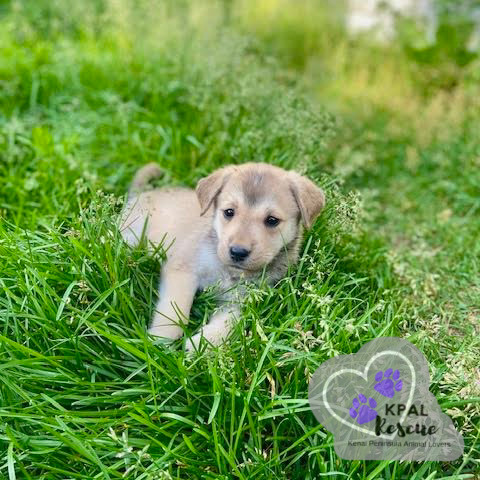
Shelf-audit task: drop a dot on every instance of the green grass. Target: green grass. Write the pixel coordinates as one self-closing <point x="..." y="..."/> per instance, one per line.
<point x="87" y="94"/>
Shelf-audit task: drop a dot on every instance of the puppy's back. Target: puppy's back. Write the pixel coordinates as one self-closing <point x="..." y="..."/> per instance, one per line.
<point x="166" y="214"/>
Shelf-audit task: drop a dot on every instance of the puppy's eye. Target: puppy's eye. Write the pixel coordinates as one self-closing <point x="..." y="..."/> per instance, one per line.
<point x="271" y="221"/>
<point x="229" y="213"/>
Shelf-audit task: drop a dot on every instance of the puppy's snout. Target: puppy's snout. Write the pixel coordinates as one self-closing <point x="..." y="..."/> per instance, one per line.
<point x="238" y="254"/>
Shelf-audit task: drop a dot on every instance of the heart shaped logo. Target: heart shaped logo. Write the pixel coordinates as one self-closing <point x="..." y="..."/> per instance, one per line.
<point x="378" y="406"/>
<point x="365" y="412"/>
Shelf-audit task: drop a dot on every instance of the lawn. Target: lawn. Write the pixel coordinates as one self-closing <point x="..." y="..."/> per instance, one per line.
<point x="89" y="91"/>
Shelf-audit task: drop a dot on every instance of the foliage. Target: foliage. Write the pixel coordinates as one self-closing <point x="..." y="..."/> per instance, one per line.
<point x="90" y="91"/>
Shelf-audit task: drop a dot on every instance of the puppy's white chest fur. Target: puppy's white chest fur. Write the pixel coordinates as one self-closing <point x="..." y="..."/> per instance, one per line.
<point x="208" y="267"/>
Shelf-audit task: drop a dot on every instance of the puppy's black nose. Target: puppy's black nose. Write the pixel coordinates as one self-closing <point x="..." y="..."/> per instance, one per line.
<point x="238" y="254"/>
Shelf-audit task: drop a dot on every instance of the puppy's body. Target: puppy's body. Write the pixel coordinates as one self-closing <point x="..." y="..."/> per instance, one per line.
<point x="172" y="217"/>
<point x="222" y="233"/>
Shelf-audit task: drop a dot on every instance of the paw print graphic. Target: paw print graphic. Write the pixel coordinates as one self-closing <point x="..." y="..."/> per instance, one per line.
<point x="388" y="382"/>
<point x="362" y="411"/>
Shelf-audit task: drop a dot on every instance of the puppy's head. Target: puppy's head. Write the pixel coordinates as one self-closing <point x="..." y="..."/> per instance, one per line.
<point x="258" y="210"/>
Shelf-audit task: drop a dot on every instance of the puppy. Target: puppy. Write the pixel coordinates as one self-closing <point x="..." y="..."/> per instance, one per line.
<point x="243" y="222"/>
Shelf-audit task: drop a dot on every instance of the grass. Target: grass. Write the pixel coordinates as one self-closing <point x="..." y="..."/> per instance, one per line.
<point x="89" y="95"/>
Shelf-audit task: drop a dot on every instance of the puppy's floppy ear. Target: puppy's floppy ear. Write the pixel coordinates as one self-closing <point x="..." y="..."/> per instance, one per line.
<point x="310" y="198"/>
<point x="209" y="187"/>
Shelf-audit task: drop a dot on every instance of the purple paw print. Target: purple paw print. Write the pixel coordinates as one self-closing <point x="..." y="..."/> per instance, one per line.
<point x="362" y="411"/>
<point x="388" y="383"/>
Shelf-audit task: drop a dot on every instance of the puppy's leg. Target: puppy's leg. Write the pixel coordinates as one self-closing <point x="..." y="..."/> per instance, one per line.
<point x="217" y="329"/>
<point x="176" y="292"/>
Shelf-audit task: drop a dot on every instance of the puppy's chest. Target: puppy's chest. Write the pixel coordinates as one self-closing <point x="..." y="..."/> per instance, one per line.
<point x="210" y="270"/>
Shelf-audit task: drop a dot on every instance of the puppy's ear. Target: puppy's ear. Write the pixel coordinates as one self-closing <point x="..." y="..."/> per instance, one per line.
<point x="310" y="198"/>
<point x="209" y="187"/>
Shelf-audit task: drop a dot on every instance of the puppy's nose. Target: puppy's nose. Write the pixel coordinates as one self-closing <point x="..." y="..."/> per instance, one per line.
<point x="238" y="254"/>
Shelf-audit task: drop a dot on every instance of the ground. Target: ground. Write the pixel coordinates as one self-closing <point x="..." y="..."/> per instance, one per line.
<point x="90" y="92"/>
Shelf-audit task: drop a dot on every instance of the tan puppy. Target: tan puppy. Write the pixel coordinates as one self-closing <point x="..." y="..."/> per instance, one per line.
<point x="241" y="222"/>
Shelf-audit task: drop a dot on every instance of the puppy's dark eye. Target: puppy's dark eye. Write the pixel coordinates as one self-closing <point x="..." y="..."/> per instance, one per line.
<point x="229" y="213"/>
<point x="271" y="221"/>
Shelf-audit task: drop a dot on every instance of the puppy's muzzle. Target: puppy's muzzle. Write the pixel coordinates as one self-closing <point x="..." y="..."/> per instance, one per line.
<point x="238" y="254"/>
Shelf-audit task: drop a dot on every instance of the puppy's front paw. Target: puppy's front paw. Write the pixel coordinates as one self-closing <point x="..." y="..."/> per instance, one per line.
<point x="171" y="332"/>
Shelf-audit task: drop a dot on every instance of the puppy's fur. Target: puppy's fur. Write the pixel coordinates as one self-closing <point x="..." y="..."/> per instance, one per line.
<point x="231" y="208"/>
